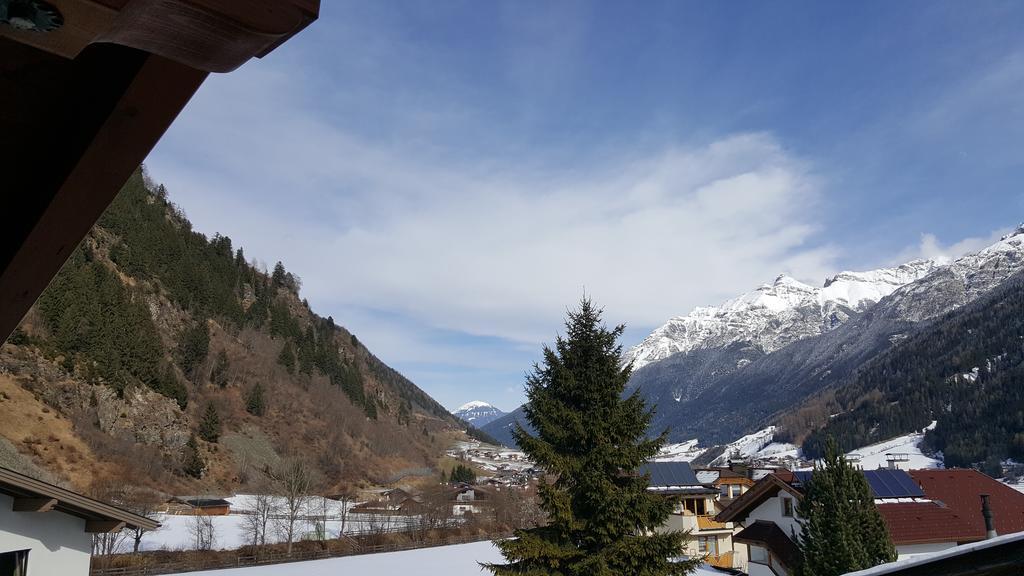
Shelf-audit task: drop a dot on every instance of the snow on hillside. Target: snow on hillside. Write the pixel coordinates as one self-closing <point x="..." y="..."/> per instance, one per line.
<point x="874" y="456"/>
<point x="456" y="560"/>
<point x="681" y="452"/>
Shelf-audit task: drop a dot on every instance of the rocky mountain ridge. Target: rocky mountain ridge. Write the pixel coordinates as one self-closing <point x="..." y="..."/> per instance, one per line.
<point x="776" y="314"/>
<point x="731" y="379"/>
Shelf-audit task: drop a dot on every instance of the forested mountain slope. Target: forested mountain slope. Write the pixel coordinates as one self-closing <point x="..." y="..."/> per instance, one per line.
<point x="964" y="370"/>
<point x="163" y="356"/>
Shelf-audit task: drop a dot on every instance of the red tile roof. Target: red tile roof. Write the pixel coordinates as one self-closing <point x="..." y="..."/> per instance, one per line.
<point x="961" y="490"/>
<point x="927" y="522"/>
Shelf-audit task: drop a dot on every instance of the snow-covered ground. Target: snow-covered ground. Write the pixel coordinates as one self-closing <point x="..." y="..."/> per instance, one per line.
<point x="760" y="448"/>
<point x="681" y="452"/>
<point x="756" y="447"/>
<point x="874" y="456"/>
<point x="456" y="560"/>
<point x="176" y="532"/>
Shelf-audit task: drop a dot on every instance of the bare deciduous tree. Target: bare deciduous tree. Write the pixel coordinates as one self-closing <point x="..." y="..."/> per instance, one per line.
<point x="144" y="503"/>
<point x="255" y="523"/>
<point x="293" y="482"/>
<point x="346" y="499"/>
<point x="203" y="532"/>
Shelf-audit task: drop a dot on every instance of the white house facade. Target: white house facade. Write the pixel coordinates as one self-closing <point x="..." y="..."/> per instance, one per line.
<point x="47" y="530"/>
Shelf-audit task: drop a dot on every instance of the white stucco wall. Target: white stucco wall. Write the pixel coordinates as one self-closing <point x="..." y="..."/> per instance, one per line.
<point x="771" y="511"/>
<point x="912" y="550"/>
<point x="57" y="542"/>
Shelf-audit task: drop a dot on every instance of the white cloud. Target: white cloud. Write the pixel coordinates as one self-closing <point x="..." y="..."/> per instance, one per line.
<point x="487" y="246"/>
<point x="931" y="248"/>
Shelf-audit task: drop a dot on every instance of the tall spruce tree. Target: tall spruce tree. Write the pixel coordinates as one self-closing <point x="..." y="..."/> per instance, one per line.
<point x="841" y="529"/>
<point x="254" y="403"/>
<point x="591" y="440"/>
<point x="209" y="426"/>
<point x="192" y="463"/>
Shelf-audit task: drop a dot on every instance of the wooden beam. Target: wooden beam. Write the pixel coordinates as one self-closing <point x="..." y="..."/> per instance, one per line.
<point x="103" y="526"/>
<point x="156" y="92"/>
<point x="34" y="504"/>
<point x="211" y="35"/>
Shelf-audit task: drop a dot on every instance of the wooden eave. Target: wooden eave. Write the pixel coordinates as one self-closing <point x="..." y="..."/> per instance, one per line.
<point x="764" y="489"/>
<point x="99" y="516"/>
<point x="81" y="107"/>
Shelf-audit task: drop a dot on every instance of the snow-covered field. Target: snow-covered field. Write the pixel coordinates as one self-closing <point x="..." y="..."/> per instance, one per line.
<point x="176" y="532"/>
<point x="456" y="560"/>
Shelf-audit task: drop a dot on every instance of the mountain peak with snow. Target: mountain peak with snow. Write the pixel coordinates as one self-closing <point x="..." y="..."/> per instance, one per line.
<point x="478" y="413"/>
<point x="776" y="314"/>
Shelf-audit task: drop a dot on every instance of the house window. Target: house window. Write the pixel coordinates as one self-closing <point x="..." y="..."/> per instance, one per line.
<point x="758" y="554"/>
<point x="787" y="507"/>
<point x="725" y="490"/>
<point x="14" y="563"/>
<point x="707" y="545"/>
<point x="694" y="506"/>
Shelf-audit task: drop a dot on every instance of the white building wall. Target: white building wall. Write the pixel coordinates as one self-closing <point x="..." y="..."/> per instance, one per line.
<point x="771" y="511"/>
<point x="57" y="542"/>
<point x="912" y="550"/>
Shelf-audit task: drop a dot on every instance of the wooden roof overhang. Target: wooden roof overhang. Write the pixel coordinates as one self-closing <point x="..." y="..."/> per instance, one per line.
<point x="82" y="105"/>
<point x="762" y="490"/>
<point x="31" y="495"/>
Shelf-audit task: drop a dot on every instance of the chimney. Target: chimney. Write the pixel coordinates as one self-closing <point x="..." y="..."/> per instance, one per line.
<point x="986" y="512"/>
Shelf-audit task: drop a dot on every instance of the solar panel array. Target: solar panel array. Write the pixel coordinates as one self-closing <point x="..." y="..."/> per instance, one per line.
<point x="669" y="474"/>
<point x="893" y="484"/>
<point x="884" y="483"/>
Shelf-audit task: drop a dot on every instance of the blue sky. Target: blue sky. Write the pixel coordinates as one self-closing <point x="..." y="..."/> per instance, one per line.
<point x="447" y="177"/>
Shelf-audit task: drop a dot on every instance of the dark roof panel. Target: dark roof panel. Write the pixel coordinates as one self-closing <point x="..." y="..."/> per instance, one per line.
<point x="893" y="484"/>
<point x="669" y="474"/>
<point x="884" y="483"/>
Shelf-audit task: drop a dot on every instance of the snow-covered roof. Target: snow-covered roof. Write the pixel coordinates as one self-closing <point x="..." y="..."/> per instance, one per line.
<point x="1014" y="541"/>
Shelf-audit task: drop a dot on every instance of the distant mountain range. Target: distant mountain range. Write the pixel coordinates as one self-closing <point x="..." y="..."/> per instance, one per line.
<point x="477" y="413"/>
<point x="787" y="351"/>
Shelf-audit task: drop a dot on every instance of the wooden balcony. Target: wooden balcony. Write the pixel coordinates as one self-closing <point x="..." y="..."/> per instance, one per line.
<point x="720" y="561"/>
<point x="709" y="523"/>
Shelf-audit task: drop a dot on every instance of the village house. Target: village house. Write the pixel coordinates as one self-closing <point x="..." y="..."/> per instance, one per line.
<point x="695" y="512"/>
<point x="466" y="498"/>
<point x="46" y="529"/>
<point x="197" y="506"/>
<point x="925" y="511"/>
<point x="394" y="501"/>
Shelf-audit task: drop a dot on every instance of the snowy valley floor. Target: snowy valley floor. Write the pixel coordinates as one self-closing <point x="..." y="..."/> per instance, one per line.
<point x="457" y="560"/>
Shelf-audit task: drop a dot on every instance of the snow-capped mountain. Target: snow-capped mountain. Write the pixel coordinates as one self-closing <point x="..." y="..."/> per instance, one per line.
<point x="477" y="413"/>
<point x="776" y="314"/>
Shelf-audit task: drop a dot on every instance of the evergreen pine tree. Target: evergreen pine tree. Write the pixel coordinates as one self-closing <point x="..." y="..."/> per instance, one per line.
<point x="209" y="426"/>
<point x="287" y="357"/>
<point x="254" y="403"/>
<point x="219" y="375"/>
<point x="841" y="529"/>
<point x="601" y="518"/>
<point x="193" y="464"/>
<point x="279" y="276"/>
